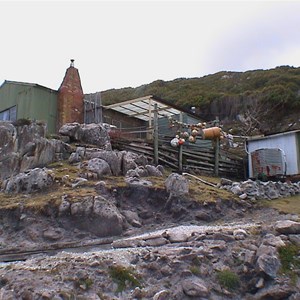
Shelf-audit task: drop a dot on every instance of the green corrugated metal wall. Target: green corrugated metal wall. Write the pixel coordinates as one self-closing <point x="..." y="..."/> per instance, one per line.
<point x="33" y="102"/>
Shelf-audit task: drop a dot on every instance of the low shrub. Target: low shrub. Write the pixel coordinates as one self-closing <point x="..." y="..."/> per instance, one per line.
<point x="228" y="279"/>
<point x="124" y="277"/>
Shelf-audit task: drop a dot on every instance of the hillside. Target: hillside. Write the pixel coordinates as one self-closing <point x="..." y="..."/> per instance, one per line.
<point x="264" y="101"/>
<point x="100" y="224"/>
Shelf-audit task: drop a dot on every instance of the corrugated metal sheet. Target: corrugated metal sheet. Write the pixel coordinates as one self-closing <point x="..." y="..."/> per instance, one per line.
<point x="287" y="142"/>
<point x="268" y="162"/>
<point x="32" y="101"/>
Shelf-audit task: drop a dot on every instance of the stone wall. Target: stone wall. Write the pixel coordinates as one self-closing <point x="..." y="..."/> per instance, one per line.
<point x="256" y="190"/>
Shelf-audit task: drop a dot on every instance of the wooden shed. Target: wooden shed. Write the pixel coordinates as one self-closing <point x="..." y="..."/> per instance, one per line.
<point x="268" y="153"/>
<point x="137" y="115"/>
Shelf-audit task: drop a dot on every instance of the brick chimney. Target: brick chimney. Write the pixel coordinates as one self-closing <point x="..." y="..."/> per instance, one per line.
<point x="70" y="98"/>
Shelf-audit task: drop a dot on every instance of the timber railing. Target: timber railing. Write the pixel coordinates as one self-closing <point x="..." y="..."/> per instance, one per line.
<point x="194" y="157"/>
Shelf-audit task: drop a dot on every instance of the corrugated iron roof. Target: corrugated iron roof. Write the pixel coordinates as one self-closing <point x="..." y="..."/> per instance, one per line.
<point x="143" y="108"/>
<point x="263" y="137"/>
<point x="28" y="84"/>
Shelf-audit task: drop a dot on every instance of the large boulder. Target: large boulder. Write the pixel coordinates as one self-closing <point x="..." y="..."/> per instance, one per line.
<point x="177" y="185"/>
<point x="268" y="264"/>
<point x="72" y="130"/>
<point x="132" y="160"/>
<point x="195" y="287"/>
<point x="29" y="181"/>
<point x="94" y="134"/>
<point x="8" y="143"/>
<point x="99" y="166"/>
<point x="287" y="227"/>
<point x="23" y="146"/>
<point x="94" y="214"/>
<point x="108" y="219"/>
<point x="110" y="157"/>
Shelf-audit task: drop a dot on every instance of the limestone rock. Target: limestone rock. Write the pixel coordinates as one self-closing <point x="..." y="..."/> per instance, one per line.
<point x="177" y="185"/>
<point x="94" y="134"/>
<point x="137" y="182"/>
<point x="108" y="219"/>
<point x="176" y="236"/>
<point x="74" y="158"/>
<point x="287" y="227"/>
<point x="276" y="292"/>
<point x="110" y="157"/>
<point x="195" y="287"/>
<point x="153" y="171"/>
<point x="30" y="181"/>
<point x="139" y="171"/>
<point x="64" y="207"/>
<point x="295" y="238"/>
<point x="132" y="218"/>
<point x="240" y="234"/>
<point x="23" y="147"/>
<point x="99" y="166"/>
<point x="272" y="240"/>
<point x="71" y="130"/>
<point x="269" y="264"/>
<point x="259" y="189"/>
<point x="128" y="161"/>
<point x="53" y="234"/>
<point x="162" y="295"/>
<point x="84" y="207"/>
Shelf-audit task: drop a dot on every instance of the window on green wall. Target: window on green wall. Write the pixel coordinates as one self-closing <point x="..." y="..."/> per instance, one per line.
<point x="9" y="114"/>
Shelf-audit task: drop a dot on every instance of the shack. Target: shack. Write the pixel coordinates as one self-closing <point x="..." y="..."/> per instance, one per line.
<point x="276" y="154"/>
<point x="25" y="100"/>
<point x="137" y="116"/>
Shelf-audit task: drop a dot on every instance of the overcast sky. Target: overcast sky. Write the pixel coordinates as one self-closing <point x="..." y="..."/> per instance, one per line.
<point x="126" y="44"/>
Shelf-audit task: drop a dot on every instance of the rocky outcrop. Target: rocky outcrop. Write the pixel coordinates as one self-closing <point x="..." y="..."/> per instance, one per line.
<point x="111" y="157"/>
<point x="145" y="171"/>
<point x="287" y="227"/>
<point x="238" y="260"/>
<point x="92" y="134"/>
<point x="256" y="190"/>
<point x="24" y="146"/>
<point x="132" y="160"/>
<point x="95" y="214"/>
<point x="116" y="163"/>
<point x="30" y="181"/>
<point x="177" y="185"/>
<point x="99" y="166"/>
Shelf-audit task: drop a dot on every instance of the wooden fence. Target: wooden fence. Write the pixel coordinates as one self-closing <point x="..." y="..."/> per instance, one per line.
<point x="194" y="157"/>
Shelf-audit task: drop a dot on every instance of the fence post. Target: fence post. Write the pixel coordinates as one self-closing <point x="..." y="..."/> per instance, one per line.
<point x="180" y="159"/>
<point x="180" y="150"/>
<point x="155" y="135"/>
<point x="217" y="150"/>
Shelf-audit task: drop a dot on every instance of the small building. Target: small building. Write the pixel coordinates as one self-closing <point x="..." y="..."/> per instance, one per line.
<point x="22" y="100"/>
<point x="276" y="154"/>
<point x="138" y="115"/>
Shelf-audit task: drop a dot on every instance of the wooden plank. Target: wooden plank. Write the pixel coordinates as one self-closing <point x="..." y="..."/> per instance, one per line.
<point x="200" y="163"/>
<point x="197" y="158"/>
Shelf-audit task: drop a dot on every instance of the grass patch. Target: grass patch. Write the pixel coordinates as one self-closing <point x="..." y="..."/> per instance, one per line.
<point x="290" y="261"/>
<point x="228" y="279"/>
<point x="201" y="192"/>
<point x="84" y="284"/>
<point x="124" y="277"/>
<point x="285" y="205"/>
<point x="195" y="270"/>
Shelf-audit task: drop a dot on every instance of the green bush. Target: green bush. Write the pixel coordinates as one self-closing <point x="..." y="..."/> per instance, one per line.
<point x="22" y="122"/>
<point x="289" y="257"/>
<point x="124" y="277"/>
<point x="228" y="279"/>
